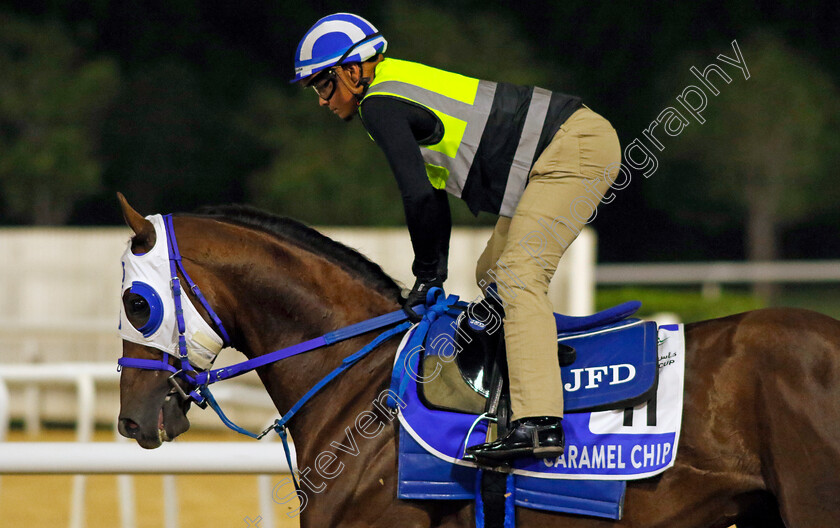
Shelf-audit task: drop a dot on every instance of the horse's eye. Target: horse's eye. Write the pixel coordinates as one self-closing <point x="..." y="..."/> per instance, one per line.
<point x="139" y="312"/>
<point x="139" y="306"/>
<point x="136" y="308"/>
<point x="143" y="308"/>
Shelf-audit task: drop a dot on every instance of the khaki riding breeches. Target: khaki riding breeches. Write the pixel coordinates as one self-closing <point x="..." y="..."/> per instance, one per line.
<point x="564" y="189"/>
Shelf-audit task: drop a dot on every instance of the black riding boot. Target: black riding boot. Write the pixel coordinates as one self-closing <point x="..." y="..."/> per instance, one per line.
<point x="540" y="437"/>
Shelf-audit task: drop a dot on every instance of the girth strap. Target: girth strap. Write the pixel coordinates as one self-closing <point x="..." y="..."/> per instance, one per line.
<point x="494" y="500"/>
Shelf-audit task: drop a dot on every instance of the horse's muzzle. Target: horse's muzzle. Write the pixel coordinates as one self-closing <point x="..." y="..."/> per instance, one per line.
<point x="152" y="430"/>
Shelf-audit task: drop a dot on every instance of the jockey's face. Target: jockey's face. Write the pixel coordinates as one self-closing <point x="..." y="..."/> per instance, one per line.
<point x="341" y="101"/>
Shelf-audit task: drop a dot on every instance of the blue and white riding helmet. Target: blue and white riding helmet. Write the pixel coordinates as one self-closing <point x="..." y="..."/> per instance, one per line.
<point x="336" y="39"/>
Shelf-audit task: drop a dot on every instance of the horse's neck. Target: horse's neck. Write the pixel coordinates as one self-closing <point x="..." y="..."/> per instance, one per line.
<point x="307" y="298"/>
<point x="326" y="417"/>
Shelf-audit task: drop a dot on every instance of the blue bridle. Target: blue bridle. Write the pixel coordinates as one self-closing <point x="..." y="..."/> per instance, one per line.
<point x="198" y="385"/>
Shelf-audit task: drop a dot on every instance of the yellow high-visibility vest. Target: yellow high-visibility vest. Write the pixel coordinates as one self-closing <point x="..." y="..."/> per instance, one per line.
<point x="492" y="132"/>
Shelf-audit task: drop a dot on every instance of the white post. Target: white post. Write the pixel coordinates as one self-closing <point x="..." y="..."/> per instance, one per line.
<point x="32" y="399"/>
<point x="32" y="392"/>
<point x="572" y="289"/>
<point x="170" y="502"/>
<point x="4" y="410"/>
<point x="86" y="394"/>
<point x="265" y="493"/>
<point x="582" y="280"/>
<point x="125" y="492"/>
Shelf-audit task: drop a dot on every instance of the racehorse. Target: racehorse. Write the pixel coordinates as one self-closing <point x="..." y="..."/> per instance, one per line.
<point x="760" y="440"/>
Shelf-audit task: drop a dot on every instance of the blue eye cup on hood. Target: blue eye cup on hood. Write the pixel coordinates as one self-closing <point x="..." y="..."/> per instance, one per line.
<point x="155" y="307"/>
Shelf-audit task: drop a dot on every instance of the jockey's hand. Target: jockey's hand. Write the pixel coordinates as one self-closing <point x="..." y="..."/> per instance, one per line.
<point x="418" y="296"/>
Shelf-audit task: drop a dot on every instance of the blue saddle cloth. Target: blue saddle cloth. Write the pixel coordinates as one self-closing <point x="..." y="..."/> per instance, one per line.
<point x="609" y="349"/>
<point x="425" y="477"/>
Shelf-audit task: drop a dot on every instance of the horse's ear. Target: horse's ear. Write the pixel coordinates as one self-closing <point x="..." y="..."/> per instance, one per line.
<point x="144" y="231"/>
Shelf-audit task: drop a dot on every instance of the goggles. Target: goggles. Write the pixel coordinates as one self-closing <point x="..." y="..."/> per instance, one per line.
<point x="325" y="85"/>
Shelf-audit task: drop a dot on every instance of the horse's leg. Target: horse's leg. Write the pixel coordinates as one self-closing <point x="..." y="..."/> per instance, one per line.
<point x="799" y="406"/>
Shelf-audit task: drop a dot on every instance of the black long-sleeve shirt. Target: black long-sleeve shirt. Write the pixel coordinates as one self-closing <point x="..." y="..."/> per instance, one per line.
<point x="399" y="127"/>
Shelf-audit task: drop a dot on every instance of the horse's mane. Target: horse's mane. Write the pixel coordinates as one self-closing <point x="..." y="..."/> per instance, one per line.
<point x="307" y="238"/>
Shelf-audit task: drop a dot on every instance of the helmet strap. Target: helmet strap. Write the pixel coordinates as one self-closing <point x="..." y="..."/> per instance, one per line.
<point x="359" y="88"/>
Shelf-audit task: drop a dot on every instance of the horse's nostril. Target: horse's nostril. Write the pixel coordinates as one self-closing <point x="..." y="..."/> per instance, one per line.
<point x="128" y="427"/>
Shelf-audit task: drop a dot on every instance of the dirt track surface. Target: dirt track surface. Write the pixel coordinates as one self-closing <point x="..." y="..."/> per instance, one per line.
<point x="206" y="501"/>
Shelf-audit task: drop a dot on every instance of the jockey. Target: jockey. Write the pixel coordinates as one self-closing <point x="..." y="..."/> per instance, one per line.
<point x="540" y="160"/>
